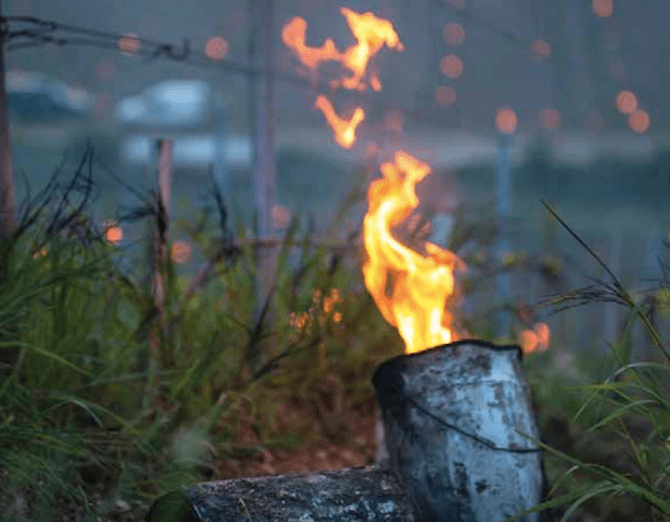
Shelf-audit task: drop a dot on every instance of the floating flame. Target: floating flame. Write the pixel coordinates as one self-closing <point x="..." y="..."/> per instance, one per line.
<point x="421" y="283"/>
<point x="372" y="34"/>
<point x="345" y="130"/>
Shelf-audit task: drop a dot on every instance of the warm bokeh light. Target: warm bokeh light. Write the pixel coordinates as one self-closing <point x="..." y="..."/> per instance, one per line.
<point x="451" y="66"/>
<point x="594" y="122"/>
<point x="344" y="130"/>
<point x="540" y="50"/>
<point x="180" y="252"/>
<point x="130" y="43"/>
<point x="280" y="217"/>
<point x="216" y="48"/>
<point x="453" y="33"/>
<point x="535" y="340"/>
<point x="639" y="121"/>
<point x="394" y="121"/>
<point x="445" y="96"/>
<point x="40" y="253"/>
<point x="550" y="118"/>
<point x="506" y="120"/>
<point x="602" y="8"/>
<point x="113" y="232"/>
<point x="626" y="102"/>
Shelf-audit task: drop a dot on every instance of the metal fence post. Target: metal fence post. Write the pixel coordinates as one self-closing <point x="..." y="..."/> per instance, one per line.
<point x="503" y="282"/>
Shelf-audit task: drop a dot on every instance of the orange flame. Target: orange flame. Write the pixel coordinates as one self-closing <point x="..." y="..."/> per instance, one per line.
<point x="345" y="130"/>
<point x="421" y="283"/>
<point x="535" y="340"/>
<point x="372" y="34"/>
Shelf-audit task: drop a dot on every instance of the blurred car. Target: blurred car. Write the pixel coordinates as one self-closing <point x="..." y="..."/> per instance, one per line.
<point x="37" y="98"/>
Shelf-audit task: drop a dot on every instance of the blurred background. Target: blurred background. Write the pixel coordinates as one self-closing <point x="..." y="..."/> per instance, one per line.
<point x="511" y="102"/>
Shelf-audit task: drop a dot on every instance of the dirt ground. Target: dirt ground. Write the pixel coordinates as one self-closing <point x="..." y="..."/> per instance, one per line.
<point x="354" y="447"/>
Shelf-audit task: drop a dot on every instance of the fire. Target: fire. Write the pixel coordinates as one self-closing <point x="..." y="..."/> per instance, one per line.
<point x="535" y="340"/>
<point x="421" y="283"/>
<point x="410" y="288"/>
<point x="371" y="33"/>
<point x="345" y="130"/>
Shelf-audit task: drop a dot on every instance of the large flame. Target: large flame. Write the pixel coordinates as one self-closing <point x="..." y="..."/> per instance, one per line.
<point x="371" y="33"/>
<point x="409" y="288"/>
<point x="344" y="130"/>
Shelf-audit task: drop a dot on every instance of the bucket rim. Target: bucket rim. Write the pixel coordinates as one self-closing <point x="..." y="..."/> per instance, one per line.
<point x="478" y="342"/>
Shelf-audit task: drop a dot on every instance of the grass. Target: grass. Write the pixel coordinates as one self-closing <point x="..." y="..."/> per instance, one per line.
<point x="608" y="444"/>
<point x="93" y="421"/>
<point x="91" y="417"/>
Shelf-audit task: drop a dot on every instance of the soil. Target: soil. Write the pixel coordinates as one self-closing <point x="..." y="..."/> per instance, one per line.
<point x="355" y="447"/>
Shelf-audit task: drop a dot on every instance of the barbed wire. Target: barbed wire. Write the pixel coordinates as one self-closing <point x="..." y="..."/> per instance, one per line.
<point x="22" y="32"/>
<point x="42" y="32"/>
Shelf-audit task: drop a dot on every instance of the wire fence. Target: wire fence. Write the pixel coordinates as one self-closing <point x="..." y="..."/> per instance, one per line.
<point x="582" y="330"/>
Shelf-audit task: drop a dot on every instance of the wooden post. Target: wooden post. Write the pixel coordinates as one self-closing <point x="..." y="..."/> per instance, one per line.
<point x="262" y="109"/>
<point x="160" y="252"/>
<point x="7" y="209"/>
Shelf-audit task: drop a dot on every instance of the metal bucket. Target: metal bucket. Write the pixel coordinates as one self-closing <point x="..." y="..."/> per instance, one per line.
<point x="454" y="422"/>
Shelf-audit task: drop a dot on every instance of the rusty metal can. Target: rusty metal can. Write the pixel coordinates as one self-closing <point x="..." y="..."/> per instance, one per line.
<point x="458" y="425"/>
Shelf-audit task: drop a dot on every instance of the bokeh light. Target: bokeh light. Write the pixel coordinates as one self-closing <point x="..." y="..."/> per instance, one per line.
<point x="506" y="120"/>
<point x="453" y="33"/>
<point x="602" y="8"/>
<point x="550" y="118"/>
<point x="130" y="43"/>
<point x="540" y="50"/>
<point x="113" y="232"/>
<point x="445" y="96"/>
<point x="216" y="48"/>
<point x="626" y="102"/>
<point x="451" y="66"/>
<point x="639" y="121"/>
<point x="535" y="340"/>
<point x="180" y="252"/>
